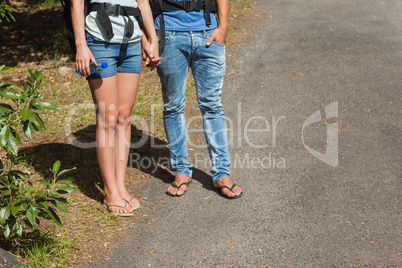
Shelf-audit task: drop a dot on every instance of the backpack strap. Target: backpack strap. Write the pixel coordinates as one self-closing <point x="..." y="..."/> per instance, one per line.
<point x="170" y="5"/>
<point x="162" y="26"/>
<point x="188" y="6"/>
<point x="208" y="11"/>
<point x="104" y="9"/>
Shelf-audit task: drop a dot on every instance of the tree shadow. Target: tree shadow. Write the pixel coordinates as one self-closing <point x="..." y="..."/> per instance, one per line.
<point x="152" y="157"/>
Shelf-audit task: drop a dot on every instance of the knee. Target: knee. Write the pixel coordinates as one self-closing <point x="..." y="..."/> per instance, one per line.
<point x="107" y="122"/>
<point x="211" y="107"/>
<point x="124" y="119"/>
<point x="174" y="101"/>
<point x="173" y="109"/>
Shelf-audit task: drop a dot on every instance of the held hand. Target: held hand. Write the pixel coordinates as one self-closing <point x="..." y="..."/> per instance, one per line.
<point x="150" y="54"/>
<point x="145" y="48"/>
<point x="218" y="35"/>
<point x="155" y="60"/>
<point x="82" y="60"/>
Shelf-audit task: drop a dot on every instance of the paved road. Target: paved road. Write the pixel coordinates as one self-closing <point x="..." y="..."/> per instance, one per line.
<point x="324" y="77"/>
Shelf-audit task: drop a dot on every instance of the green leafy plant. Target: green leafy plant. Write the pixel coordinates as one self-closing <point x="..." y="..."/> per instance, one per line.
<point x="20" y="109"/>
<point x="21" y="203"/>
<point x="5" y="12"/>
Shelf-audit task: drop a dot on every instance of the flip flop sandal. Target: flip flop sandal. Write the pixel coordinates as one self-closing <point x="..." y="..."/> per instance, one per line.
<point x="230" y="189"/>
<point x="135" y="207"/>
<point x="119" y="214"/>
<point x="175" y="186"/>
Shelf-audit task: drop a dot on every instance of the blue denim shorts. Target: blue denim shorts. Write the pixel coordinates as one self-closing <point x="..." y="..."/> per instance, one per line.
<point x="124" y="58"/>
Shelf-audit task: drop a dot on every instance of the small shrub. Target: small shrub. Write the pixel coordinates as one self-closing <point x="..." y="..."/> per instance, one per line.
<point x="21" y="203"/>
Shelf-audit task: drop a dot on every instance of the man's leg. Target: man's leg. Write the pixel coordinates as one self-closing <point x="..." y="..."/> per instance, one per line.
<point x="209" y="70"/>
<point x="173" y="72"/>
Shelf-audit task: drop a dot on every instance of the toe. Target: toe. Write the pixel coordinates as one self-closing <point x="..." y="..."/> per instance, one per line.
<point x="228" y="193"/>
<point x="225" y="181"/>
<point x="119" y="210"/>
<point x="114" y="209"/>
<point x="180" y="179"/>
<point x="237" y="191"/>
<point x="171" y="190"/>
<point x="134" y="202"/>
<point x="231" y="194"/>
<point x="181" y="190"/>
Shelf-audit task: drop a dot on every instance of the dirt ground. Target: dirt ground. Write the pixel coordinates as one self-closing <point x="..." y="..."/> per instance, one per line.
<point x="37" y="42"/>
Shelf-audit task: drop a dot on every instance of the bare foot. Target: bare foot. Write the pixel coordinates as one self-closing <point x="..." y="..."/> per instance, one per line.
<point x="181" y="181"/>
<point x="117" y="204"/>
<point x="132" y="202"/>
<point x="225" y="181"/>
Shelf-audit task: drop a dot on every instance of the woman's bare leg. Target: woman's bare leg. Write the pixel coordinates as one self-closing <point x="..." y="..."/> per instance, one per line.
<point x="105" y="96"/>
<point x="127" y="85"/>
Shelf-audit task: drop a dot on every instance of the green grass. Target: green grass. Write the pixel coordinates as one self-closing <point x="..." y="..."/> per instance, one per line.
<point x="111" y="222"/>
<point x="45" y="250"/>
<point x="104" y="217"/>
<point x="86" y="228"/>
<point x="245" y="4"/>
<point x="191" y="91"/>
<point x="149" y="100"/>
<point x="48" y="3"/>
<point x="235" y="14"/>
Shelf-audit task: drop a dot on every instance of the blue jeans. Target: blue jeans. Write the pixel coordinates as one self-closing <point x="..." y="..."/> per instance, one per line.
<point x="186" y="50"/>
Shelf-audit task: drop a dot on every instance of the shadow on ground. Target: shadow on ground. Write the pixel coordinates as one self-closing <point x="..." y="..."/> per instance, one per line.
<point x="36" y="34"/>
<point x="147" y="158"/>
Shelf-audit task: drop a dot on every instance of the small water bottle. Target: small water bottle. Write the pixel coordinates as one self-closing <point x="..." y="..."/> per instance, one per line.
<point x="104" y="65"/>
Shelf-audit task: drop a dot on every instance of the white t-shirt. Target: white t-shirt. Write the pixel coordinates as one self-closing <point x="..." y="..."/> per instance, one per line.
<point x="94" y="27"/>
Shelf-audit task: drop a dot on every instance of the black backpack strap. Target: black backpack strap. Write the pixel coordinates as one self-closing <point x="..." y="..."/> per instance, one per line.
<point x="130" y="25"/>
<point x="104" y="9"/>
<point x="162" y="28"/>
<point x="105" y="21"/>
<point x="207" y="12"/>
<point x="188" y="6"/>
